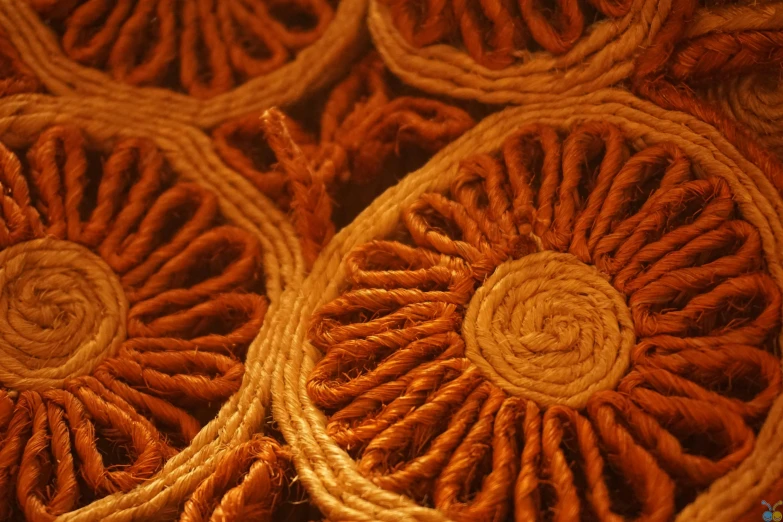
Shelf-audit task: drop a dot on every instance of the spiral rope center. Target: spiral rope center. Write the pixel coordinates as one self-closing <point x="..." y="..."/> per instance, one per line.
<point x="62" y="311"/>
<point x="549" y="328"/>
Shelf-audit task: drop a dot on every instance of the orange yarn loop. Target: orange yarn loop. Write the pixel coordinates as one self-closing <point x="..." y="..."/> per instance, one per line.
<point x="246" y="485"/>
<point x="204" y="48"/>
<point x="407" y="398"/>
<point x="719" y="54"/>
<point x="362" y="127"/>
<point x="188" y="282"/>
<point x="498" y="33"/>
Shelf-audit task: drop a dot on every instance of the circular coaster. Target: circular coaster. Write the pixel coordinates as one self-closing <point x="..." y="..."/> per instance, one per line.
<point x="199" y="63"/>
<point x="548" y="319"/>
<point x="515" y="52"/>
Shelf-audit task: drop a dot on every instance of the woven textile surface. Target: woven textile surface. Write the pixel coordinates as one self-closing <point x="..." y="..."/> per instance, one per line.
<point x="354" y="260"/>
<point x="539" y="321"/>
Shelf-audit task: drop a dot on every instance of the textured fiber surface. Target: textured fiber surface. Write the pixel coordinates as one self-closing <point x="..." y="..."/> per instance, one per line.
<point x="390" y="260"/>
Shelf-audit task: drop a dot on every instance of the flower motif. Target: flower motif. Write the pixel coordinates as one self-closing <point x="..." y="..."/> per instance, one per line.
<point x="126" y="305"/>
<point x="202" y="48"/>
<point x="580" y="327"/>
<point x="497" y="33"/>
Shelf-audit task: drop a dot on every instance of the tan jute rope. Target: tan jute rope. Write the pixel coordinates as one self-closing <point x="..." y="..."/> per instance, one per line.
<point x="190" y="154"/>
<point x="62" y="311"/>
<point x="315" y="66"/>
<point x="752" y="99"/>
<point x="330" y="474"/>
<point x="584" y="347"/>
<point x="600" y="59"/>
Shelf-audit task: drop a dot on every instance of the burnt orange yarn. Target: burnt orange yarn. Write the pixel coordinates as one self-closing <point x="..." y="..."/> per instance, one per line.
<point x="718" y="54"/>
<point x="246" y="485"/>
<point x="191" y="283"/>
<point x="15" y="76"/>
<point x="362" y="126"/>
<point x="421" y="418"/>
<point x="204" y="48"/>
<point x="673" y="67"/>
<point x="498" y="33"/>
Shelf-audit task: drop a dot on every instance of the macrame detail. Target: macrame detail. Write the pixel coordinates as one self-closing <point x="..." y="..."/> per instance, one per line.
<point x="362" y="127"/>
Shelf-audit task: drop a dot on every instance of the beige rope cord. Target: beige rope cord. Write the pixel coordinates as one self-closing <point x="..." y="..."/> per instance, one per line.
<point x="250" y="227"/>
<point x="523" y="318"/>
<point x="74" y="282"/>
<point x="313" y="67"/>
<point x="371" y="443"/>
<point x="602" y="57"/>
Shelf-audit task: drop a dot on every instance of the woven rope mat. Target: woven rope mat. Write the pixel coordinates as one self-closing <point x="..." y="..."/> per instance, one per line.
<point x="534" y="324"/>
<point x="416" y="261"/>
<point x="186" y="347"/>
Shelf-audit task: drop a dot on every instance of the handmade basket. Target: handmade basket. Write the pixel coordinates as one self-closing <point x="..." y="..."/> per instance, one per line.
<point x="151" y="272"/>
<point x="514" y="55"/>
<point x="574" y="309"/>
<point x="147" y="55"/>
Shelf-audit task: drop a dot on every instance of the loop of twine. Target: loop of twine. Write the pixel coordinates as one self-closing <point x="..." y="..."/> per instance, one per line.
<point x="499" y="66"/>
<point x="549" y="328"/>
<point x="201" y="49"/>
<point x="116" y="37"/>
<point x="62" y="311"/>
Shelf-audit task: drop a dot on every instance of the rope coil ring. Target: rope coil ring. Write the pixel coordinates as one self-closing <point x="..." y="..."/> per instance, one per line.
<point x="62" y="312"/>
<point x="549" y="328"/>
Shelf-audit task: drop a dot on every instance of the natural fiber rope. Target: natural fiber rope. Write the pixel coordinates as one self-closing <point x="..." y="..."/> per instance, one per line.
<point x="189" y="153"/>
<point x="719" y="62"/>
<point x="62" y="311"/>
<point x="725" y="41"/>
<point x="601" y="58"/>
<point x="246" y="485"/>
<point x="364" y="126"/>
<point x="549" y="328"/>
<point x="753" y="100"/>
<point x="315" y="66"/>
<point x="331" y="476"/>
<point x="17" y="77"/>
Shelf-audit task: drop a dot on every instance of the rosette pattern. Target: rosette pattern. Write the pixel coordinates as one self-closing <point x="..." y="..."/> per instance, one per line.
<point x="127" y="304"/>
<point x="580" y="329"/>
